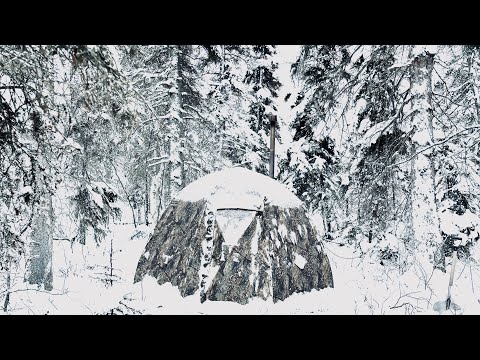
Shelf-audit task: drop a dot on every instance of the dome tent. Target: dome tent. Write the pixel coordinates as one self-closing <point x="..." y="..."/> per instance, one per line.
<point x="233" y="235"/>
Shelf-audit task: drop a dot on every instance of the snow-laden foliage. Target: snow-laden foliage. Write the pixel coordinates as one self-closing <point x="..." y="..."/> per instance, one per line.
<point x="386" y="135"/>
<point x="56" y="103"/>
<point x="381" y="144"/>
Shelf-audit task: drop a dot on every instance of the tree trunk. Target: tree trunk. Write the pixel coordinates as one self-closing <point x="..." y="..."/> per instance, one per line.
<point x="176" y="170"/>
<point x="259" y="102"/>
<point x="474" y="72"/>
<point x="40" y="263"/>
<point x="181" y="121"/>
<point x="222" y="47"/>
<point x="39" y="268"/>
<point x="8" y="284"/>
<point x="167" y="178"/>
<point x="111" y="262"/>
<point x="82" y="229"/>
<point x="426" y="228"/>
<point x="147" y="197"/>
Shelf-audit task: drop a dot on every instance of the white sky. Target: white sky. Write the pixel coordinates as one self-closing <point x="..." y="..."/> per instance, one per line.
<point x="286" y="56"/>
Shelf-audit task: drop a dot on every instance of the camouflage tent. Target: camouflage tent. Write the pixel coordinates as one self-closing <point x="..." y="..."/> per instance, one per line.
<point x="233" y="235"/>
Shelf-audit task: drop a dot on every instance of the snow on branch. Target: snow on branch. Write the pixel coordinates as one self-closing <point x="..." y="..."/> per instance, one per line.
<point x="433" y="145"/>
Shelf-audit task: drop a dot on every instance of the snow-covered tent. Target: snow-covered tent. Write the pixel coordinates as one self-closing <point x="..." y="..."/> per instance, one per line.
<point x="233" y="235"/>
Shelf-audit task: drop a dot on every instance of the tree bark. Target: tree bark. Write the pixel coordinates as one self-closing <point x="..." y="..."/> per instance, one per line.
<point x="39" y="268"/>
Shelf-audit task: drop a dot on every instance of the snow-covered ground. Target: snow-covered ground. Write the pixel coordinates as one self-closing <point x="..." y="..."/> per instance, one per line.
<point x="84" y="281"/>
<point x="362" y="286"/>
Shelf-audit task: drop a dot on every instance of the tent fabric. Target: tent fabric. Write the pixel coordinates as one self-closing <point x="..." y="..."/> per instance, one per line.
<point x="195" y="247"/>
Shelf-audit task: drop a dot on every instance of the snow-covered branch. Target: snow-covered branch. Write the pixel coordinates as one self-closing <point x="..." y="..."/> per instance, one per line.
<point x="434" y="145"/>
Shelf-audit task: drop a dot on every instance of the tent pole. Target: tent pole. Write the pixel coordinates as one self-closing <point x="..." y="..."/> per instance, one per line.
<point x="273" y="120"/>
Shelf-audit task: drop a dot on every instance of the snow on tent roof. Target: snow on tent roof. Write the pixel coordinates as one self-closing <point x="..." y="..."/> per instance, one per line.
<point x="239" y="188"/>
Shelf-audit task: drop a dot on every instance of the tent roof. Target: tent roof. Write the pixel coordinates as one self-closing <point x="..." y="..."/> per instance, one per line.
<point x="239" y="188"/>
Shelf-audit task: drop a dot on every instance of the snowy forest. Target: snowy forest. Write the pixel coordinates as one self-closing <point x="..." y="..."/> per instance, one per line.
<point x="380" y="143"/>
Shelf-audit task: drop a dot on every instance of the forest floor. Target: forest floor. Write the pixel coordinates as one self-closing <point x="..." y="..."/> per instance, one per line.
<point x="87" y="280"/>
